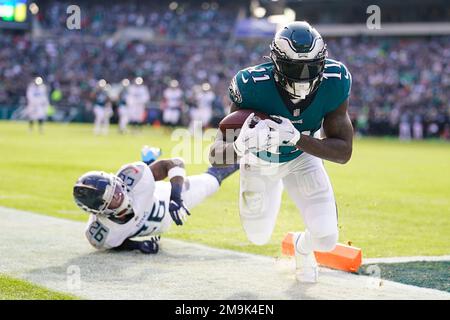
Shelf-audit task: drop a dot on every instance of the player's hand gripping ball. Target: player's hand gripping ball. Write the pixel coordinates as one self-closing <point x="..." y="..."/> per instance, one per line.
<point x="252" y="137"/>
<point x="282" y="131"/>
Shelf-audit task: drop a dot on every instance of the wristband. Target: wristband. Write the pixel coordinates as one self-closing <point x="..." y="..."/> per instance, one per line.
<point x="176" y="172"/>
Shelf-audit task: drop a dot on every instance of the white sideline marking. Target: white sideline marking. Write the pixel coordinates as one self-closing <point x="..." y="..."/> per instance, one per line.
<point x="43" y="249"/>
<point x="405" y="259"/>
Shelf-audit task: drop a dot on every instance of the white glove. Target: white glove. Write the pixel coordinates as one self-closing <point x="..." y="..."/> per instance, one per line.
<point x="252" y="139"/>
<point x="282" y="133"/>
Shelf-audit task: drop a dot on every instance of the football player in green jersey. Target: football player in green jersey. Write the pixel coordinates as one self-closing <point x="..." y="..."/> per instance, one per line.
<point x="307" y="95"/>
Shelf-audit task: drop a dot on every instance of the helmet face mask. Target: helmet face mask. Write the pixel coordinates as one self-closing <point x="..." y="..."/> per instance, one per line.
<point x="101" y="193"/>
<point x="298" y="53"/>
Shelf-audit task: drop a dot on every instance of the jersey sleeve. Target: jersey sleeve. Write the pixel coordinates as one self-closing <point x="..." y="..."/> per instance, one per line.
<point x="249" y="85"/>
<point x="345" y="85"/>
<point x="138" y="178"/>
<point x="103" y="235"/>
<point x="341" y="87"/>
<point x="235" y="92"/>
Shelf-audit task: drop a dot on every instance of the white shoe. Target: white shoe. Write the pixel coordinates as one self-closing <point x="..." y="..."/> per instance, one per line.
<point x="306" y="269"/>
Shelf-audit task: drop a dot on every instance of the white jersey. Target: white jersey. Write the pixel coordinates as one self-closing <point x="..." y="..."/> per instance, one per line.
<point x="37" y="101"/>
<point x="205" y="100"/>
<point x="150" y="202"/>
<point x="173" y="97"/>
<point x="137" y="95"/>
<point x="137" y="99"/>
<point x="203" y="113"/>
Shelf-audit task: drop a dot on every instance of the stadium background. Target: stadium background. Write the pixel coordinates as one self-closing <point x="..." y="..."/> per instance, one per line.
<point x="393" y="196"/>
<point x="399" y="74"/>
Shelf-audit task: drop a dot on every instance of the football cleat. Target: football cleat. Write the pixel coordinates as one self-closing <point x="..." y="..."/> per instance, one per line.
<point x="306" y="268"/>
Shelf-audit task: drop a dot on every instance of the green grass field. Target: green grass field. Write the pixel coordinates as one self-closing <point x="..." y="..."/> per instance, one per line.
<point x="14" y="289"/>
<point x="393" y="197"/>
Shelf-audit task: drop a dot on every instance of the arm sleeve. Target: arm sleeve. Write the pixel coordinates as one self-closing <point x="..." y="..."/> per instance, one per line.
<point x="138" y="177"/>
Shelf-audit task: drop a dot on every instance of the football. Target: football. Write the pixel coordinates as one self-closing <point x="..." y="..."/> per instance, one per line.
<point x="236" y="119"/>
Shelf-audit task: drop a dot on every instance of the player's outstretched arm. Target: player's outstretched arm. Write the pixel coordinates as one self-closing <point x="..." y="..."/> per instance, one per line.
<point x="160" y="169"/>
<point x="174" y="170"/>
<point x="338" y="141"/>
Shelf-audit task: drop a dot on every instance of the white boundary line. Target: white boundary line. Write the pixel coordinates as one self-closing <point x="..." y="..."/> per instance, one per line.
<point x="406" y="259"/>
<point x="43" y="249"/>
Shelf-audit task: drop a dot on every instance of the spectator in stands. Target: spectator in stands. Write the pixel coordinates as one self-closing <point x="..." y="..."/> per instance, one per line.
<point x="194" y="44"/>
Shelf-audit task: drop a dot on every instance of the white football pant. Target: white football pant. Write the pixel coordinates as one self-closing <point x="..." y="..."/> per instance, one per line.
<point x="195" y="189"/>
<point x="101" y="122"/>
<point x="123" y="118"/>
<point x="307" y="183"/>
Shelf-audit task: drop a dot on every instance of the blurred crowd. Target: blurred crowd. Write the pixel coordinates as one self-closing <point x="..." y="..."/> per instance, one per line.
<point x="401" y="86"/>
<point x="174" y="21"/>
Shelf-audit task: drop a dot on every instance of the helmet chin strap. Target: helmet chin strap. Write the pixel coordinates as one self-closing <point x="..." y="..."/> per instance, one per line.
<point x="126" y="205"/>
<point x="300" y="90"/>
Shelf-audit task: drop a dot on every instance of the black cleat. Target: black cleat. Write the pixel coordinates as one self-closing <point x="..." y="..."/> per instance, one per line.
<point x="223" y="172"/>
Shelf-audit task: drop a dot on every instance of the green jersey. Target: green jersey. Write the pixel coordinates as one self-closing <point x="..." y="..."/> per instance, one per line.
<point x="255" y="88"/>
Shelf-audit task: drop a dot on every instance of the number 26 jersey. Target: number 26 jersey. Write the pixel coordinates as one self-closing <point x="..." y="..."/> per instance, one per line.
<point x="150" y="203"/>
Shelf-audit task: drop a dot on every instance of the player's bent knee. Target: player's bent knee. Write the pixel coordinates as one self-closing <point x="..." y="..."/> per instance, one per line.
<point x="325" y="244"/>
<point x="252" y="201"/>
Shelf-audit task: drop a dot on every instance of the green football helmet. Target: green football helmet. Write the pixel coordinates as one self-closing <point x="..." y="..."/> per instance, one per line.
<point x="298" y="53"/>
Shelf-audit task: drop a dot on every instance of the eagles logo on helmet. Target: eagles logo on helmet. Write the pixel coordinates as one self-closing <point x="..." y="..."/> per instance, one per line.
<point x="298" y="53"/>
<point x="102" y="193"/>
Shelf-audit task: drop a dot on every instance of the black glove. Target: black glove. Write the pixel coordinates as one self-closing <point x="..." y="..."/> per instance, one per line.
<point x="177" y="209"/>
<point x="147" y="246"/>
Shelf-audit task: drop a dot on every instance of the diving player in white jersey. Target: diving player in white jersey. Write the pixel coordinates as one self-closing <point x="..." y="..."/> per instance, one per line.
<point x="37" y="103"/>
<point x="136" y="202"/>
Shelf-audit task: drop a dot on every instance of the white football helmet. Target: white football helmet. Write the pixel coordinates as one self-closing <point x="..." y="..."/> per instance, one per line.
<point x="102" y="193"/>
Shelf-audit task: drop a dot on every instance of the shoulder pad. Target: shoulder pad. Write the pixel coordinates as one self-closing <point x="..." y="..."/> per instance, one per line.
<point x="247" y="80"/>
<point x="335" y="69"/>
<point x="234" y="92"/>
<point x="132" y="173"/>
<point x="339" y="83"/>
